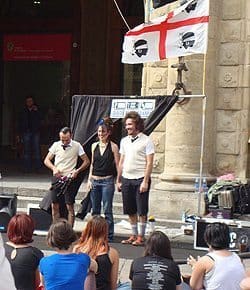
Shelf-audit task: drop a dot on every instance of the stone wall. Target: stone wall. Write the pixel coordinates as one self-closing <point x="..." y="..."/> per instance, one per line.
<point x="232" y="108"/>
<point x="227" y="87"/>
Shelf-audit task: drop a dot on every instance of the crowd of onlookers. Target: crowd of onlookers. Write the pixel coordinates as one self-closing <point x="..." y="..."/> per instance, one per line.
<point x="88" y="262"/>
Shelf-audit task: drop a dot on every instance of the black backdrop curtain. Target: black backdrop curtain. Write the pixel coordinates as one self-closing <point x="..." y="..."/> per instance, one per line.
<point x="87" y="110"/>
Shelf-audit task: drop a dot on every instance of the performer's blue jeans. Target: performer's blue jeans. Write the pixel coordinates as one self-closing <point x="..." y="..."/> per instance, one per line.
<point x="103" y="192"/>
<point x="31" y="143"/>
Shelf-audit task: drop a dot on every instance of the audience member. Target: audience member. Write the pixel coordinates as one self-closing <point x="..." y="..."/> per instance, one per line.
<point x="133" y="178"/>
<point x="220" y="269"/>
<point x="94" y="242"/>
<point x="65" y="153"/>
<point x="104" y="165"/>
<point x="156" y="269"/>
<point x="64" y="270"/>
<point x="245" y="284"/>
<point x="6" y="277"/>
<point x="24" y="259"/>
<point x="29" y="133"/>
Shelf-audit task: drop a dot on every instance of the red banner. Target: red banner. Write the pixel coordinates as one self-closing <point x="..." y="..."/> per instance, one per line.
<point x="37" y="47"/>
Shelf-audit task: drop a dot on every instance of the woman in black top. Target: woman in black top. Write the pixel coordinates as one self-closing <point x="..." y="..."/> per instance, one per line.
<point x="156" y="269"/>
<point x="24" y="259"/>
<point x="104" y="163"/>
<point x="94" y="242"/>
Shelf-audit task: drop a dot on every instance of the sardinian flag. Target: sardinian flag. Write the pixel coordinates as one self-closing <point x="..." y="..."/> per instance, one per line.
<point x="181" y="32"/>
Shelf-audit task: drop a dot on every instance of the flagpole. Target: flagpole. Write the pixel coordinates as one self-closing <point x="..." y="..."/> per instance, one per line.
<point x="204" y="103"/>
<point x="147" y="19"/>
<point x="147" y="10"/>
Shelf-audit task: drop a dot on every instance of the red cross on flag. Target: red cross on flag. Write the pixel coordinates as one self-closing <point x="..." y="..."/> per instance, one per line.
<point x="181" y="32"/>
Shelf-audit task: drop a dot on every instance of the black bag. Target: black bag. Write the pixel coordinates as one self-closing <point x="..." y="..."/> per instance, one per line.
<point x="60" y="185"/>
<point x="45" y="203"/>
<point x="240" y="194"/>
<point x="86" y="207"/>
<point x="241" y="198"/>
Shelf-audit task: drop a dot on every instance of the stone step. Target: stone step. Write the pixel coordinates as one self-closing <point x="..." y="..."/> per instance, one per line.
<point x="163" y="204"/>
<point x="23" y="201"/>
<point x="37" y="193"/>
<point x="118" y="215"/>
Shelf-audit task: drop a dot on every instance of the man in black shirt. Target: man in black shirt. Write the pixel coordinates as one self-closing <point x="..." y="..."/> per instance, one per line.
<point x="29" y="132"/>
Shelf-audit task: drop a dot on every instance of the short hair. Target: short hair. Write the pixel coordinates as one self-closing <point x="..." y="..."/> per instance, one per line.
<point x="65" y="130"/>
<point x="29" y="97"/>
<point x="139" y="123"/>
<point x="61" y="235"/>
<point x="20" y="229"/>
<point x="217" y="236"/>
<point x="158" y="244"/>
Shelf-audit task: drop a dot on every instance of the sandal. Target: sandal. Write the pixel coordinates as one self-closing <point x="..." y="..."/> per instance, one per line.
<point x="129" y="241"/>
<point x="139" y="242"/>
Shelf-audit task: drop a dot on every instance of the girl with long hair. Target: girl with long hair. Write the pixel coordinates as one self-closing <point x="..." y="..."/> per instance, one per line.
<point x="156" y="269"/>
<point x="94" y="242"/>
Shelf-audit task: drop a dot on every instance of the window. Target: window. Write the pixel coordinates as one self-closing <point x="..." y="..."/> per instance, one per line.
<point x="36" y="8"/>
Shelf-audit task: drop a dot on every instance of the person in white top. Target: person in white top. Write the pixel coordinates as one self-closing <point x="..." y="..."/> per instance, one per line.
<point x="245" y="284"/>
<point x="133" y="178"/>
<point x="65" y="153"/>
<point x="6" y="277"/>
<point x="220" y="269"/>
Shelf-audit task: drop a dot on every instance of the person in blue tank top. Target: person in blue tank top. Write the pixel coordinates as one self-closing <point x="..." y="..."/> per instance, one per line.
<point x="103" y="168"/>
<point x="64" y="270"/>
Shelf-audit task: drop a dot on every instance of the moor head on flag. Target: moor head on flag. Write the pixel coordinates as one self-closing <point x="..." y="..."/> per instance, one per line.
<point x="140" y="47"/>
<point x="190" y="6"/>
<point x="187" y="39"/>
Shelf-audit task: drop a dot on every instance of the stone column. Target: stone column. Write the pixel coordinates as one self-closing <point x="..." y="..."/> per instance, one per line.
<point x="174" y="191"/>
<point x="232" y="110"/>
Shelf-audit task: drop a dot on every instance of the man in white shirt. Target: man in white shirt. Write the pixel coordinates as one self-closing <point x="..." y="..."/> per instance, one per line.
<point x="65" y="153"/>
<point x="133" y="179"/>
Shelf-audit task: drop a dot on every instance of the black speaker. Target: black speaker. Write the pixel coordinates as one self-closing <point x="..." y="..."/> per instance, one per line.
<point x="41" y="218"/>
<point x="8" y="205"/>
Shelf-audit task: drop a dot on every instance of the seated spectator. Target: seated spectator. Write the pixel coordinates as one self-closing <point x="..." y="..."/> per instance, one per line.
<point x="156" y="269"/>
<point x="24" y="258"/>
<point x="64" y="270"/>
<point x="6" y="277"/>
<point x="94" y="242"/>
<point x="220" y="269"/>
<point x="245" y="284"/>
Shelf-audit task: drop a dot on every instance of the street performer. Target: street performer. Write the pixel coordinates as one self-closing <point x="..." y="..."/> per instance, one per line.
<point x="133" y="179"/>
<point x="65" y="153"/>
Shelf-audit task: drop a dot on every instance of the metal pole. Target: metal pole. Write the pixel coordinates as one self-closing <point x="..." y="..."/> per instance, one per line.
<point x="147" y="10"/>
<point x="191" y="96"/>
<point x="204" y="103"/>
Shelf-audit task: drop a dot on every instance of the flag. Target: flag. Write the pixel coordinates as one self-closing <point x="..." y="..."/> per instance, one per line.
<point x="181" y="32"/>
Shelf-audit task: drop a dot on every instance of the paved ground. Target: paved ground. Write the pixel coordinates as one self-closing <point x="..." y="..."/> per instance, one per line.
<point x="182" y="245"/>
<point x="126" y="252"/>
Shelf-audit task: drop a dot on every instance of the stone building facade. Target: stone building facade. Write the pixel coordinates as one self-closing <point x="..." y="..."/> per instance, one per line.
<point x="227" y="87"/>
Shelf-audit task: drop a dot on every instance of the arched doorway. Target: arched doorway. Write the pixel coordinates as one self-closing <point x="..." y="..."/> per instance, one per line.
<point x="37" y="59"/>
